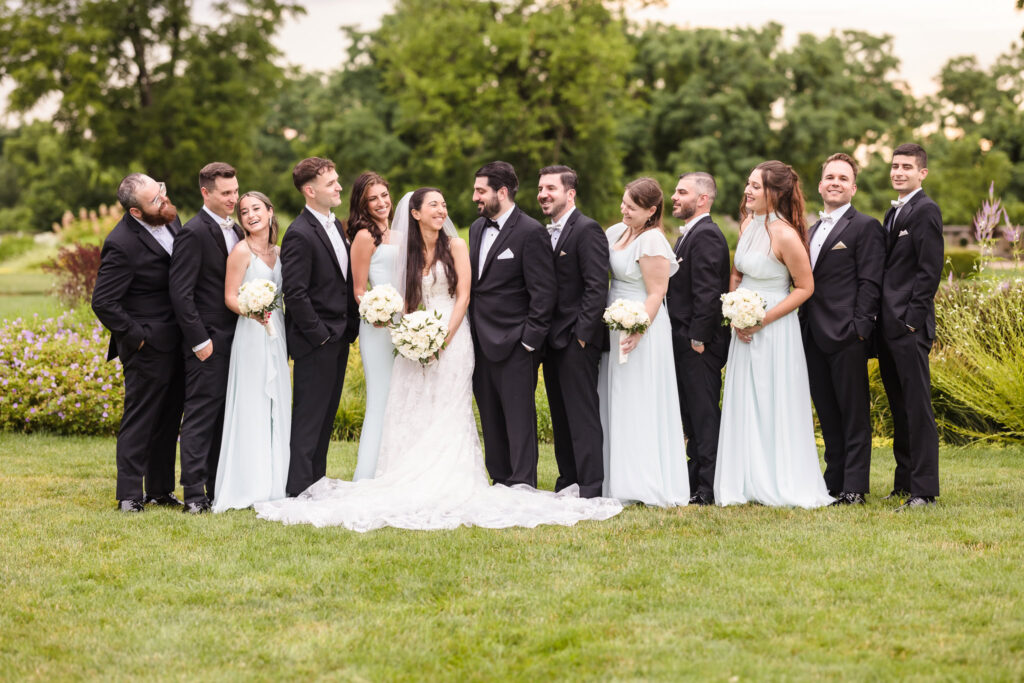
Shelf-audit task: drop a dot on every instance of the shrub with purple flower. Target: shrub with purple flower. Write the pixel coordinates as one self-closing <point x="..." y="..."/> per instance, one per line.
<point x="54" y="377"/>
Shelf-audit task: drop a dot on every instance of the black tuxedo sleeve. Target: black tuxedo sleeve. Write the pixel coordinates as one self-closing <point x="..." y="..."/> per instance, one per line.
<point x="928" y="246"/>
<point x="296" y="274"/>
<point x="539" y="276"/>
<point x="184" y="272"/>
<point x="870" y="266"/>
<point x="593" y="260"/>
<point x="112" y="281"/>
<point x="708" y="257"/>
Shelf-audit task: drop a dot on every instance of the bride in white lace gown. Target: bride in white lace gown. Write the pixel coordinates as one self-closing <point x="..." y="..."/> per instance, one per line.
<point x="430" y="471"/>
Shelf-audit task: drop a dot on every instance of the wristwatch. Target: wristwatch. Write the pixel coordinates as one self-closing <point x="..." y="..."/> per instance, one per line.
<point x="911" y="329"/>
<point x="694" y="342"/>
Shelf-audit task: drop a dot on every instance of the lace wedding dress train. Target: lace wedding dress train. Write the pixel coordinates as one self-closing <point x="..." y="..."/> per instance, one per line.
<point x="430" y="471"/>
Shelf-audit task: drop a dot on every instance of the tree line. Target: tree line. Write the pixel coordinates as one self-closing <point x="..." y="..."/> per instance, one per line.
<point x="442" y="87"/>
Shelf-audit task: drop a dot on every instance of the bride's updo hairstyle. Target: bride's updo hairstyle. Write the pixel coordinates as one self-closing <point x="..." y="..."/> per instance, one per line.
<point x="782" y="194"/>
<point x="359" y="217"/>
<point x="415" y="264"/>
<point x="272" y="234"/>
<point x="645" y="193"/>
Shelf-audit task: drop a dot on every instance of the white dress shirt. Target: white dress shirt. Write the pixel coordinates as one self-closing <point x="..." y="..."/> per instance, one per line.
<point x="555" y="228"/>
<point x="161" y="234"/>
<point x="491" y="234"/>
<point x="903" y="202"/>
<point x="828" y="222"/>
<point x="685" y="229"/>
<point x="327" y="223"/>
<point x="227" y="228"/>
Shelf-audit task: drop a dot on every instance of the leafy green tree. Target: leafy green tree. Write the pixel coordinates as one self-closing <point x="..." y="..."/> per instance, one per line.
<point x="140" y="84"/>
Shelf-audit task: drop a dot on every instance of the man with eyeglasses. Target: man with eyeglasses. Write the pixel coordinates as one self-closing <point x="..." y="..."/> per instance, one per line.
<point x="132" y="300"/>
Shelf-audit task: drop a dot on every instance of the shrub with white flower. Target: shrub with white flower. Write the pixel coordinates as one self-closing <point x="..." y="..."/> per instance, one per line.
<point x="743" y="308"/>
<point x="54" y="376"/>
<point x="420" y="336"/>
<point x="628" y="317"/>
<point x="380" y="305"/>
<point x="257" y="298"/>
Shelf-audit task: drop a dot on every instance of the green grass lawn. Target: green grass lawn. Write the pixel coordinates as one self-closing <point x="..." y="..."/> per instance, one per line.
<point x="24" y="294"/>
<point x="713" y="594"/>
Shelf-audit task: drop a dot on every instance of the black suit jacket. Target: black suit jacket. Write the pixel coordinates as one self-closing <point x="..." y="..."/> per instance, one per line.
<point x="513" y="298"/>
<point x="913" y="267"/>
<point x="695" y="291"/>
<point x="847" y="282"/>
<point x="319" y="305"/>
<point x="581" y="273"/>
<point x="198" y="268"/>
<point x="132" y="297"/>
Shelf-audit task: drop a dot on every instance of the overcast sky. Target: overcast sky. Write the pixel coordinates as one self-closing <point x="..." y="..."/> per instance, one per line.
<point x="926" y="32"/>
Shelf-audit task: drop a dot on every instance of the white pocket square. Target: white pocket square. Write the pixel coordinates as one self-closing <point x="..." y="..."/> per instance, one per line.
<point x="903" y="233"/>
<point x="562" y="254"/>
<point x="506" y="254"/>
<point x="839" y="245"/>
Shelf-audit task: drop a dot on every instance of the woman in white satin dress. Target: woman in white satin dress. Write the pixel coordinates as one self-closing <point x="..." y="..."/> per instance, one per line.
<point x="766" y="448"/>
<point x="373" y="263"/>
<point x="430" y="473"/>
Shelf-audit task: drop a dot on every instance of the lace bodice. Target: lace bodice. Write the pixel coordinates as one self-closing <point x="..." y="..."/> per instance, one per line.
<point x="762" y="270"/>
<point x="435" y="291"/>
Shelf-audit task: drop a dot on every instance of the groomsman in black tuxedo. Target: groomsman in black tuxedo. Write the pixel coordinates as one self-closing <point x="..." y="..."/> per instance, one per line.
<point x="133" y="301"/>
<point x="700" y="343"/>
<point x="847" y="251"/>
<point x="513" y="296"/>
<point x="197" y="291"/>
<point x="913" y="265"/>
<point x="321" y="318"/>
<point x="577" y="334"/>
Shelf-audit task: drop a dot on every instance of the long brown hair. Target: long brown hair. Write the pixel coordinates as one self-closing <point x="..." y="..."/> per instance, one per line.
<point x="359" y="217"/>
<point x="414" y="260"/>
<point x="782" y="194"/>
<point x="272" y="237"/>
<point x="647" y="193"/>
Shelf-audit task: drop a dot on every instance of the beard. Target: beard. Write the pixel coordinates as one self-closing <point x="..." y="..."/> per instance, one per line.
<point x="554" y="209"/>
<point x="685" y="213"/>
<point x="162" y="216"/>
<point x="490" y="208"/>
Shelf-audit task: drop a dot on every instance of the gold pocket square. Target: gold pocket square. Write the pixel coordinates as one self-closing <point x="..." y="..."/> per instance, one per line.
<point x="839" y="245"/>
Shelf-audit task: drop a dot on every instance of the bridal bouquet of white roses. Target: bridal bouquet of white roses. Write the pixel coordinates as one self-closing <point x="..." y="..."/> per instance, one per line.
<point x="419" y="336"/>
<point x="743" y="308"/>
<point x="628" y="317"/>
<point x="257" y="298"/>
<point x="380" y="305"/>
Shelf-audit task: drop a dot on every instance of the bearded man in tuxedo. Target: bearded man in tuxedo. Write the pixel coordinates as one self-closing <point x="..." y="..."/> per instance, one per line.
<point x="700" y="343"/>
<point x="906" y="330"/>
<point x="513" y="295"/>
<point x="198" y="267"/>
<point x="574" y="342"/>
<point x="847" y="250"/>
<point x="132" y="299"/>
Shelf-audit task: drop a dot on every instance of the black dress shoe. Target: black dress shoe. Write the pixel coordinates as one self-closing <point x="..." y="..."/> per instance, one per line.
<point x="897" y="493"/>
<point x="916" y="502"/>
<point x="166" y="500"/>
<point x="130" y="506"/>
<point x="197" y="507"/>
<point x="699" y="499"/>
<point x="849" y="499"/>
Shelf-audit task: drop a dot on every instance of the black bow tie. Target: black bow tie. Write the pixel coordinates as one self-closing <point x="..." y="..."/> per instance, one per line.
<point x="491" y="223"/>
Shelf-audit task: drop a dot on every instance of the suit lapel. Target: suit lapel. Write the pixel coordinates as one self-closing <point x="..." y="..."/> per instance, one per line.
<point x="146" y="237"/>
<point x="499" y="241"/>
<point x="215" y="232"/>
<point x="321" y="234"/>
<point x="679" y="248"/>
<point x="569" y="224"/>
<point x="833" y="236"/>
<point x="475" y="232"/>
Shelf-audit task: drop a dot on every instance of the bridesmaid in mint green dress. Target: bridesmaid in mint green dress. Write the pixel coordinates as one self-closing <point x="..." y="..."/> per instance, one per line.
<point x="254" y="450"/>
<point x="373" y="262"/>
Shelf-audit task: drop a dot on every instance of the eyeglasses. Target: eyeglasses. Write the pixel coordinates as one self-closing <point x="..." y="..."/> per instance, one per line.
<point x="160" y="195"/>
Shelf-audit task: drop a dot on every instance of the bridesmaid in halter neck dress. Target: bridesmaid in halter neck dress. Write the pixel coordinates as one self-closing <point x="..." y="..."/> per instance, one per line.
<point x="373" y="261"/>
<point x="766" y="449"/>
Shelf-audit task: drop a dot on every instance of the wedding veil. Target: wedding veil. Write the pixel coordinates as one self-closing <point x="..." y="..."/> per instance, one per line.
<point x="400" y="238"/>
